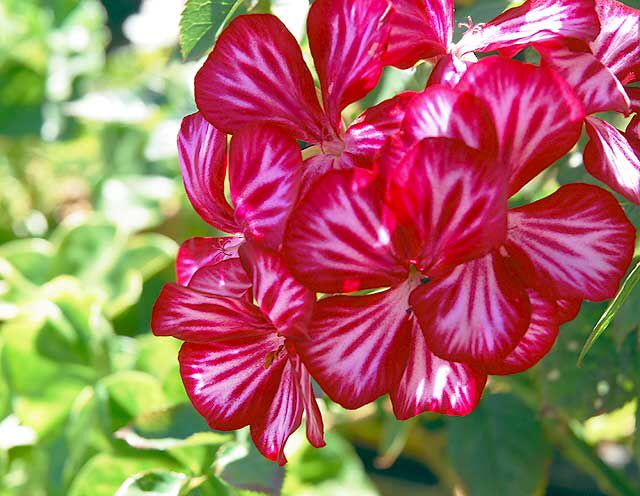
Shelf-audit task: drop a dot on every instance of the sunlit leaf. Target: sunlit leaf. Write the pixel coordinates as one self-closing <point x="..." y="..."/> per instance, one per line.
<point x="242" y="466"/>
<point x="334" y="469"/>
<point x="200" y="22"/>
<point x="153" y="483"/>
<point x="104" y="474"/>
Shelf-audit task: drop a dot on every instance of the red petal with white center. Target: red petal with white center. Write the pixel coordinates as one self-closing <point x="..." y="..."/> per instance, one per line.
<point x="347" y="39"/>
<point x="198" y="252"/>
<point x="440" y="111"/>
<point x="370" y="131"/>
<point x="420" y="29"/>
<point x="448" y="71"/>
<point x="191" y="315"/>
<point x="596" y="86"/>
<point x="203" y="160"/>
<point x="313" y="418"/>
<point x="286" y="302"/>
<point x="450" y="204"/>
<point x="477" y="314"/>
<point x="536" y="342"/>
<point x="229" y="383"/>
<point x="264" y="176"/>
<point x="577" y="242"/>
<point x="537" y="116"/>
<point x="225" y="278"/>
<point x="613" y="158"/>
<point x="358" y="345"/>
<point x="618" y="43"/>
<point x="338" y="241"/>
<point x="431" y="384"/>
<point x="535" y="21"/>
<point x="272" y="428"/>
<point x="256" y="74"/>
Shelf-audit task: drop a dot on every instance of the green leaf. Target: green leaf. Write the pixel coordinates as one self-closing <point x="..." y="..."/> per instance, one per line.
<point x="43" y="388"/>
<point x="605" y="380"/>
<point x="104" y="474"/>
<point x="86" y="250"/>
<point x="153" y="483"/>
<point x="137" y="202"/>
<point x="242" y="466"/>
<point x="148" y="253"/>
<point x="334" y="469"/>
<point x="201" y="21"/>
<point x="130" y="394"/>
<point x="613" y="308"/>
<point x="31" y="257"/>
<point x="499" y="448"/>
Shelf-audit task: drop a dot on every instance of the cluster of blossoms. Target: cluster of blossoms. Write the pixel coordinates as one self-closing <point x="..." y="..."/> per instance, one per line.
<point x="384" y="259"/>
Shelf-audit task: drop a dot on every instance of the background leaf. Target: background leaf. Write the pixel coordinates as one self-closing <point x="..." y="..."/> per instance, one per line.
<point x="499" y="448"/>
<point x="200" y="22"/>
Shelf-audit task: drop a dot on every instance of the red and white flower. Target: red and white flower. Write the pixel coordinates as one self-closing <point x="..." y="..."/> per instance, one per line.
<point x="598" y="72"/>
<point x="256" y="74"/>
<point x="239" y="362"/>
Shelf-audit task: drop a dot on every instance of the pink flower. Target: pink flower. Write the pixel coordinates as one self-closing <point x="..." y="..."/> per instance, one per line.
<point x="433" y="227"/>
<point x="256" y="74"/>
<point x="239" y="362"/>
<point x="598" y="72"/>
<point x="264" y="170"/>
<point x="423" y="29"/>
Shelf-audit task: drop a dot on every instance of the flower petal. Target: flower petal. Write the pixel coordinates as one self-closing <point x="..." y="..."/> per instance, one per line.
<point x="256" y="74"/>
<point x="440" y="111"/>
<point x="317" y="165"/>
<point x="431" y="384"/>
<point x="370" y="131"/>
<point x="535" y="21"/>
<point x="634" y="97"/>
<point x="536" y="342"/>
<point x="198" y="252"/>
<point x="203" y="159"/>
<point x="421" y="29"/>
<point x="613" y="158"/>
<point x="286" y="302"/>
<point x="272" y="428"/>
<point x="576" y="243"/>
<point x="337" y="240"/>
<point x="191" y="315"/>
<point x="618" y="44"/>
<point x="228" y="382"/>
<point x="448" y="70"/>
<point x="537" y="116"/>
<point x="347" y="40"/>
<point x="596" y="86"/>
<point x="264" y="175"/>
<point x="567" y="309"/>
<point x="313" y="418"/>
<point x="358" y="345"/>
<point x="225" y="278"/>
<point x="450" y="204"/>
<point x="477" y="314"/>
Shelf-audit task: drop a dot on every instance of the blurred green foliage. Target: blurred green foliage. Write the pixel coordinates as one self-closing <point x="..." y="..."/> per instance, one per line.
<point x="91" y="211"/>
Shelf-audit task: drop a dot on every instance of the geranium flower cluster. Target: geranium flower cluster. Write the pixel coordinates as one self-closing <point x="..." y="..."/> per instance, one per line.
<point x="384" y="259"/>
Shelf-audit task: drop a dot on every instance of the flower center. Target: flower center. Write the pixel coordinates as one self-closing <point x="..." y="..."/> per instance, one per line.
<point x="334" y="147"/>
<point x="272" y="356"/>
